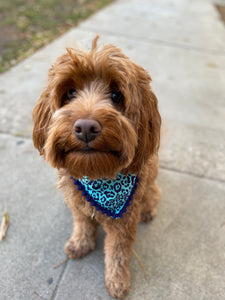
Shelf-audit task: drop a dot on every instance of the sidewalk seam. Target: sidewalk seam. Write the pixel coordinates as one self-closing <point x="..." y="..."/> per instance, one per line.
<point x="191" y="174"/>
<point x="156" y="41"/>
<point x="54" y="293"/>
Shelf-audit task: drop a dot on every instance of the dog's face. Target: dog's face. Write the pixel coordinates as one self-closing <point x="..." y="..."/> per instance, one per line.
<point x="98" y="114"/>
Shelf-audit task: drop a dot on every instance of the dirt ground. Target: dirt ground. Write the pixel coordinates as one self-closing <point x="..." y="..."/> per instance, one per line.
<point x="27" y="25"/>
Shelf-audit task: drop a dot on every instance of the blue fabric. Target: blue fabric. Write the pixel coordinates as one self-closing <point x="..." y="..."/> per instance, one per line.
<point x="109" y="196"/>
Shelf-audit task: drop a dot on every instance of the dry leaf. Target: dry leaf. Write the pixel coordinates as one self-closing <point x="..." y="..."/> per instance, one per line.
<point x="22" y="132"/>
<point x="211" y="65"/>
<point x="4" y="225"/>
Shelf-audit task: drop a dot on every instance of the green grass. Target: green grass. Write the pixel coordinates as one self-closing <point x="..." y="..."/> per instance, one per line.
<point x="27" y="25"/>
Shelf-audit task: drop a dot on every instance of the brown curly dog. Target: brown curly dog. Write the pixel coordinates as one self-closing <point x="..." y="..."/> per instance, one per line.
<point x="97" y="122"/>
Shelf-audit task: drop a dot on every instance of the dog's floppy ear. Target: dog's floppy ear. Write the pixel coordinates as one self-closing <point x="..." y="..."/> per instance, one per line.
<point x="44" y="108"/>
<point x="153" y="120"/>
<point x="148" y="118"/>
<point x="41" y="117"/>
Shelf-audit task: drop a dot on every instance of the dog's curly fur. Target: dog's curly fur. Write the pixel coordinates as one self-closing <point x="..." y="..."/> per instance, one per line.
<point x="128" y="143"/>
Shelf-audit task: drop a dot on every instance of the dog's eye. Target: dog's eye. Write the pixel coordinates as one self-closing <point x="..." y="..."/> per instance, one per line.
<point x="117" y="96"/>
<point x="71" y="93"/>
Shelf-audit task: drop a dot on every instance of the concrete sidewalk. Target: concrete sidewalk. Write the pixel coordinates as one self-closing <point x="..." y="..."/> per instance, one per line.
<point x="182" y="44"/>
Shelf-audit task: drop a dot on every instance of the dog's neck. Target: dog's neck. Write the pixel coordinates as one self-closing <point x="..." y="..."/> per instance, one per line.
<point x="110" y="196"/>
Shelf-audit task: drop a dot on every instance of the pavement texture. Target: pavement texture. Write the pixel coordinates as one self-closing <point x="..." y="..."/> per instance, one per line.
<point x="182" y="44"/>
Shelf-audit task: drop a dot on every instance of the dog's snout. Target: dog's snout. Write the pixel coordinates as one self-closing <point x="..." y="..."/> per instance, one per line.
<point x="87" y="129"/>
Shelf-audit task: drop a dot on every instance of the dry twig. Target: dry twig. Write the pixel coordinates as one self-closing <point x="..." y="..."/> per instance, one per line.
<point x="141" y="263"/>
<point x="4" y="225"/>
<point x="40" y="296"/>
<point x="62" y="262"/>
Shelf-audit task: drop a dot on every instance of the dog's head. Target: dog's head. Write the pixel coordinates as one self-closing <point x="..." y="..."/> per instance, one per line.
<point x="97" y="115"/>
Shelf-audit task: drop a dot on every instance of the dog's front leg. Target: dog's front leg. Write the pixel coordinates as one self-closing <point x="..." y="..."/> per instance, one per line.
<point x="83" y="238"/>
<point x="118" y="249"/>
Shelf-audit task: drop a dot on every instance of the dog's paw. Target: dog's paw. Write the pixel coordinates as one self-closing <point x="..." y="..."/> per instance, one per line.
<point x="118" y="288"/>
<point x="148" y="216"/>
<point x="78" y="248"/>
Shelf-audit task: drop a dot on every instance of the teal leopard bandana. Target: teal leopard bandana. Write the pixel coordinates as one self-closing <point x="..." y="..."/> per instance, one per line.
<point x="110" y="196"/>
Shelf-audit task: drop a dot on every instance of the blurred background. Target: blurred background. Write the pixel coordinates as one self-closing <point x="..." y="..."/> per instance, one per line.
<point x="27" y="25"/>
<point x="181" y="43"/>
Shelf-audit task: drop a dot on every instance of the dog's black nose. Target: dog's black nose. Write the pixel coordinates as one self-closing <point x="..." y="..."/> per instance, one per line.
<point x="87" y="129"/>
